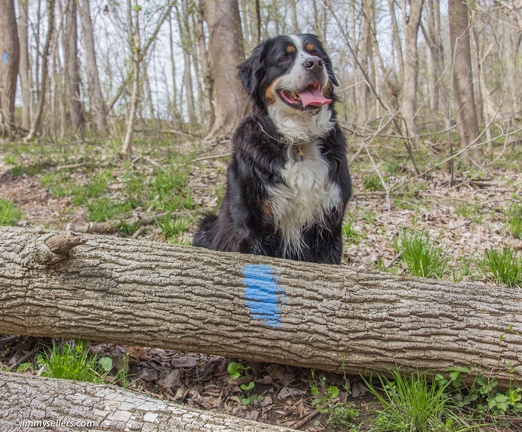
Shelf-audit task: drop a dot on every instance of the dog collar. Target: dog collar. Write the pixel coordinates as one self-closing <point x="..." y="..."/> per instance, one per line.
<point x="296" y="152"/>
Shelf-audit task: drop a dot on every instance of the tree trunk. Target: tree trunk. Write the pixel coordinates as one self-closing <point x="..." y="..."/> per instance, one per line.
<point x="362" y="90"/>
<point x="45" y="71"/>
<point x="186" y="44"/>
<point x="9" y="63"/>
<point x="433" y="37"/>
<point x="206" y="70"/>
<point x="95" y="91"/>
<point x="175" y="110"/>
<point x="255" y="308"/>
<point x="462" y="75"/>
<point x="86" y="406"/>
<point x="134" y="42"/>
<point x="293" y="13"/>
<point x="411" y="24"/>
<point x="396" y="45"/>
<point x="226" y="53"/>
<point x="72" y="66"/>
<point x="25" y="81"/>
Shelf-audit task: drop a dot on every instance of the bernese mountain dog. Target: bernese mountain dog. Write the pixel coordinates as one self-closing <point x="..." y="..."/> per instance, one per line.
<point x="288" y="182"/>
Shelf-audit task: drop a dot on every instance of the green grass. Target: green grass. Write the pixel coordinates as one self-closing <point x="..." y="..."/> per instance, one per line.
<point x="470" y="211"/>
<point x="157" y="190"/>
<point x="9" y="213"/>
<point x="172" y="227"/>
<point x="350" y="234"/>
<point x="504" y="266"/>
<point x="57" y="183"/>
<point x="29" y="170"/>
<point x="104" y="209"/>
<point x="413" y="404"/>
<point x="10" y="159"/>
<point x="514" y="220"/>
<point x="170" y="190"/>
<point x="373" y="183"/>
<point x="73" y="361"/>
<point x="421" y="256"/>
<point x="464" y="268"/>
<point x="96" y="188"/>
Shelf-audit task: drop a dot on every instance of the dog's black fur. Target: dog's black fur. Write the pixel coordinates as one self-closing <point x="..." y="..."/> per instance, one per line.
<point x="246" y="222"/>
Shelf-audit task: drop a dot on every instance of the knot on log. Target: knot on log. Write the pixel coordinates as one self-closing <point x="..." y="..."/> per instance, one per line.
<point x="52" y="248"/>
<point x="62" y="243"/>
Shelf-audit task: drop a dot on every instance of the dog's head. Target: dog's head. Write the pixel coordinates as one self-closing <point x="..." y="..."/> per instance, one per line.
<point x="292" y="73"/>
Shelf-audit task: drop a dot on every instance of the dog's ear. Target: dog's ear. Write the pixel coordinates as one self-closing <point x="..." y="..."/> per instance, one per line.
<point x="251" y="70"/>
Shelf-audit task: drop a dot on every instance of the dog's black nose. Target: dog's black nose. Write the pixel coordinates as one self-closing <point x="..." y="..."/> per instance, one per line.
<point x="313" y="64"/>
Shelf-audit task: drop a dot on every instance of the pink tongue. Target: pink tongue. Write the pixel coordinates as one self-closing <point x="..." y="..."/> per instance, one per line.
<point x="313" y="97"/>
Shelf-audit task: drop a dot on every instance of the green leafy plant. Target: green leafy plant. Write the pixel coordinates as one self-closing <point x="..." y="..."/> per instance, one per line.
<point x="325" y="399"/>
<point x="504" y="266"/>
<point x="24" y="367"/>
<point x="343" y="417"/>
<point x="237" y="370"/>
<point x="122" y="377"/>
<point x="323" y="395"/>
<point x="421" y="256"/>
<point x="482" y="395"/>
<point x="413" y="404"/>
<point x="74" y="361"/>
<point x="9" y="213"/>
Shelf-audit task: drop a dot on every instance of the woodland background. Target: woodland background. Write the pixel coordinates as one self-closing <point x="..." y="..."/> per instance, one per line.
<point x="108" y="67"/>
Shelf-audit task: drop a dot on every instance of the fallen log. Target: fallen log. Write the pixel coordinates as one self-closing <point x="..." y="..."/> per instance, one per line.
<point x="332" y="318"/>
<point x="27" y="402"/>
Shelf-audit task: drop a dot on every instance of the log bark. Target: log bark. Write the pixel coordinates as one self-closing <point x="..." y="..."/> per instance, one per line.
<point x="256" y="308"/>
<point x="27" y="401"/>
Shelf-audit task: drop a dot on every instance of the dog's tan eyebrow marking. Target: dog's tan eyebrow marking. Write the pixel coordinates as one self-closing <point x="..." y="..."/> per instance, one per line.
<point x="290" y="49"/>
<point x="309" y="47"/>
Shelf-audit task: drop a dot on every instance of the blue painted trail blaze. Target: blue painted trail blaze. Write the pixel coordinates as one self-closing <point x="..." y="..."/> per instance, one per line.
<point x="264" y="294"/>
<point x="5" y="57"/>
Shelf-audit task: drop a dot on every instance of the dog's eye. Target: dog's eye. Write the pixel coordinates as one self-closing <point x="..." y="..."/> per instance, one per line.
<point x="285" y="59"/>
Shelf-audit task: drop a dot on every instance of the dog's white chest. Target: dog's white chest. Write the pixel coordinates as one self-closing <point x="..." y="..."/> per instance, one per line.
<point x="304" y="197"/>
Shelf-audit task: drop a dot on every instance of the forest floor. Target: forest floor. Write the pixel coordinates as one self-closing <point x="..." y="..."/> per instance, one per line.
<point x="55" y="184"/>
